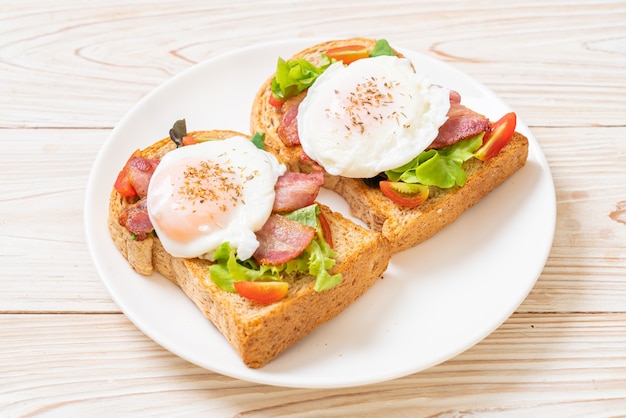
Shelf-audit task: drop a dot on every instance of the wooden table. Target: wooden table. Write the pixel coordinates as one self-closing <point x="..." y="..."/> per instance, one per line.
<point x="70" y="70"/>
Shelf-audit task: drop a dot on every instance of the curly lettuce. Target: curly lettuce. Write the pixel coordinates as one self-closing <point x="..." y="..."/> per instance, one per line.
<point x="382" y="47"/>
<point x="317" y="259"/>
<point x="296" y="75"/>
<point x="439" y="167"/>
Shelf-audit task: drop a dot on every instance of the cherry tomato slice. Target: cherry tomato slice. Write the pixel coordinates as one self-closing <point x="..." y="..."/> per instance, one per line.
<point x="122" y="183"/>
<point x="189" y="140"/>
<point x="404" y="194"/>
<point x="274" y="101"/>
<point x="262" y="292"/>
<point x="328" y="236"/>
<point x="498" y="136"/>
<point x="348" y="54"/>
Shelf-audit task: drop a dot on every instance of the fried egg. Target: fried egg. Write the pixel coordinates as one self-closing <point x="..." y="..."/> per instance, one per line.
<point x="373" y="115"/>
<point x="203" y="195"/>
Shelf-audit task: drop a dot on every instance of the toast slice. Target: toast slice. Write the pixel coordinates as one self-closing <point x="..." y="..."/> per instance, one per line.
<point x="258" y="332"/>
<point x="404" y="227"/>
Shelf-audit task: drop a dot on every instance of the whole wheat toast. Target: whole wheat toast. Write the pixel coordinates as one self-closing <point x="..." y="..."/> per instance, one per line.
<point x="404" y="227"/>
<point x="258" y="332"/>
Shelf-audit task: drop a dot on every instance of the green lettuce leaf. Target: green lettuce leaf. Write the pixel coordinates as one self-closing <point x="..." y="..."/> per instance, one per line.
<point x="315" y="260"/>
<point x="318" y="255"/>
<point x="258" y="139"/>
<point x="294" y="76"/>
<point x="382" y="47"/>
<point x="228" y="269"/>
<point x="306" y="215"/>
<point x="321" y="259"/>
<point x="441" y="168"/>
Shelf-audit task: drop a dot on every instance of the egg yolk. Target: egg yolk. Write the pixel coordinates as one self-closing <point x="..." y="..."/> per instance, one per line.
<point x="203" y="197"/>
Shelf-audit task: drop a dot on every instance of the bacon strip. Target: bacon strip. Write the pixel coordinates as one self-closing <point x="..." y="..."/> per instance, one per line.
<point x="462" y="123"/>
<point x="455" y="97"/>
<point x="135" y="218"/>
<point x="296" y="190"/>
<point x="282" y="239"/>
<point x="140" y="171"/>
<point x="288" y="129"/>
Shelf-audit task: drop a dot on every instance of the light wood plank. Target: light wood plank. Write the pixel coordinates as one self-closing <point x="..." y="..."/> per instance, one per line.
<point x="70" y="70"/>
<point x="46" y="265"/>
<point x="68" y="365"/>
<point x="587" y="263"/>
<point x="557" y="64"/>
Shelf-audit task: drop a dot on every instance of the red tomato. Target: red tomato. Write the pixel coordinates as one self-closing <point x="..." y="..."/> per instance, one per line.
<point x="122" y="183"/>
<point x="348" y="53"/>
<point x="404" y="194"/>
<point x="498" y="136"/>
<point x="328" y="236"/>
<point x="262" y="292"/>
<point x="189" y="140"/>
<point x="275" y="101"/>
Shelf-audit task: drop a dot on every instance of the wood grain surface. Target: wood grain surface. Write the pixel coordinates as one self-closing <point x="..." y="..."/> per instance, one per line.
<point x="69" y="71"/>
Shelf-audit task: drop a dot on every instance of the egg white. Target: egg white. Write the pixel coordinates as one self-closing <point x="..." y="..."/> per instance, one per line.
<point x="231" y="184"/>
<point x="373" y="115"/>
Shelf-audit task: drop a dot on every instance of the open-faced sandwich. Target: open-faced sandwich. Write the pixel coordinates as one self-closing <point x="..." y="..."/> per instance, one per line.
<point x="406" y="154"/>
<point x="243" y="237"/>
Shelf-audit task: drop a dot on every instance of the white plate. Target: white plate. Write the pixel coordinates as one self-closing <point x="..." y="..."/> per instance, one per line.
<point x="434" y="302"/>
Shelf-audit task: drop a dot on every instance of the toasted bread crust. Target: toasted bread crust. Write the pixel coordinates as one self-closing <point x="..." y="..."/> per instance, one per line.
<point x="257" y="332"/>
<point x="403" y="227"/>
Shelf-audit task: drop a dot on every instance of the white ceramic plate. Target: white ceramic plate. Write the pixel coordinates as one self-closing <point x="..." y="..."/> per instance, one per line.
<point x="434" y="302"/>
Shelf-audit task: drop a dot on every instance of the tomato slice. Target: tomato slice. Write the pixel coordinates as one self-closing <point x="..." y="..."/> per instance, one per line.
<point x="122" y="183"/>
<point x="275" y="101"/>
<point x="498" y="136"/>
<point x="262" y="292"/>
<point x="348" y="54"/>
<point x="404" y="194"/>
<point x="189" y="140"/>
<point x="328" y="236"/>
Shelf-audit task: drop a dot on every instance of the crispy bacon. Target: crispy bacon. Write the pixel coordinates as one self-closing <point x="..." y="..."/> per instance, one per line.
<point x="296" y="190"/>
<point x="135" y="218"/>
<point x="455" y="97"/>
<point x="282" y="239"/>
<point x="140" y="171"/>
<point x="307" y="161"/>
<point x="462" y="123"/>
<point x="288" y="129"/>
